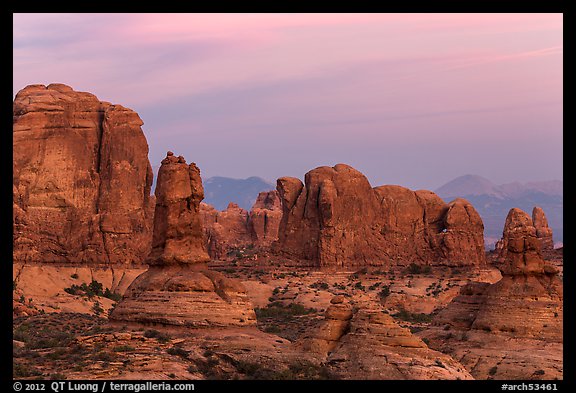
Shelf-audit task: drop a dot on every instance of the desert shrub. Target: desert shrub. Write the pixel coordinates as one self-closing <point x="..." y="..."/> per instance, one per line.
<point x="23" y="371"/>
<point x="384" y="292"/>
<point x="177" y="351"/>
<point x="123" y="348"/>
<point x="300" y="370"/>
<point x="374" y="286"/>
<point x="57" y="339"/>
<point x="414" y="269"/>
<point x="161" y="337"/>
<point x="493" y="370"/>
<point x="57" y="354"/>
<point x="539" y="372"/>
<point x="97" y="308"/>
<point x="112" y="295"/>
<point x="272" y="329"/>
<point x="248" y="368"/>
<point x="95" y="288"/>
<point x="413" y="317"/>
<point x="104" y="356"/>
<point x="277" y="309"/>
<point x="74" y="276"/>
<point x="320" y="285"/>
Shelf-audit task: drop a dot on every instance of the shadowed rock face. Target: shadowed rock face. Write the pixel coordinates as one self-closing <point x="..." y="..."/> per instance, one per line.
<point x="337" y="219"/>
<point x="264" y="218"/>
<point x="226" y="230"/>
<point x="81" y="179"/>
<point x="178" y="289"/>
<point x="235" y="227"/>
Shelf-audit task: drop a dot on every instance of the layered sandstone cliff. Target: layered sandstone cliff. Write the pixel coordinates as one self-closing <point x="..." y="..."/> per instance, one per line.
<point x="178" y="289"/>
<point x="81" y="179"/>
<point x="363" y="342"/>
<point x="337" y="219"/>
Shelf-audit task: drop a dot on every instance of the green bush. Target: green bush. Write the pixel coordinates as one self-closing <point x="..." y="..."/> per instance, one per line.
<point x="23" y="371"/>
<point x="178" y="352"/>
<point x="277" y="309"/>
<point x="414" y="269"/>
<point x="161" y="337"/>
<point x="384" y="292"/>
<point x="123" y="348"/>
<point x="320" y="285"/>
<point x="95" y="288"/>
<point x="272" y="329"/>
<point x="413" y="317"/>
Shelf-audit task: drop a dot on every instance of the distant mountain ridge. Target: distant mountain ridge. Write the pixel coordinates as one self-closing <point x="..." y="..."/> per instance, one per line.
<point x="220" y="191"/>
<point x="494" y="201"/>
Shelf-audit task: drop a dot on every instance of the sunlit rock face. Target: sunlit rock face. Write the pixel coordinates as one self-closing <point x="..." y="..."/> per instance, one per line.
<point x="81" y="179"/>
<point x="178" y="289"/>
<point x="336" y="219"/>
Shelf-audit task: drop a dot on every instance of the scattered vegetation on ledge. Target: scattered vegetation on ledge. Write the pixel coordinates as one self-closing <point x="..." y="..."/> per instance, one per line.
<point x="384" y="292"/>
<point x="153" y="333"/>
<point x="320" y="285"/>
<point x="414" y="268"/>
<point x="277" y="309"/>
<point x="95" y="288"/>
<point x="413" y="317"/>
<point x="299" y="370"/>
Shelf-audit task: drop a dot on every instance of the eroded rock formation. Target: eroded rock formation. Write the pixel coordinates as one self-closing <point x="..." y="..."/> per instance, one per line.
<point x="264" y="218"/>
<point x="225" y="230"/>
<point x="517" y="321"/>
<point x="337" y="219"/>
<point x="178" y="289"/>
<point x="543" y="231"/>
<point x="234" y="228"/>
<point x="362" y="342"/>
<point x="81" y="179"/>
<point x="336" y="323"/>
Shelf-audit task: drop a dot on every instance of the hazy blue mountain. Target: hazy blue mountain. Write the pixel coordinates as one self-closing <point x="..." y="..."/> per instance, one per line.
<point x="469" y="185"/>
<point x="494" y="201"/>
<point x="219" y="191"/>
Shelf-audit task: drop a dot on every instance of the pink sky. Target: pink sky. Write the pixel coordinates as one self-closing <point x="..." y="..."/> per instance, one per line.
<point x="411" y="99"/>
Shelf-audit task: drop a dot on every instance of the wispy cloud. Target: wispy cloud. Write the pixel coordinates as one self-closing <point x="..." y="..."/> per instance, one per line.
<point x="317" y="83"/>
<point x="475" y="62"/>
